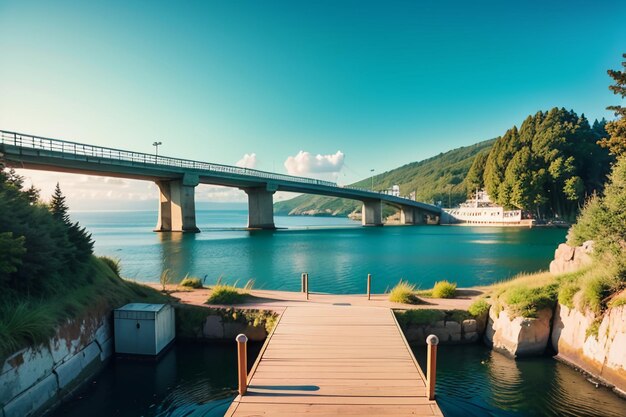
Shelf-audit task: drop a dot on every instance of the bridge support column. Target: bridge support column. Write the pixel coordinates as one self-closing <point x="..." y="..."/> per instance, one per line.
<point x="419" y="217"/>
<point x="260" y="208"/>
<point x="372" y="213"/>
<point x="177" y="208"/>
<point x="407" y="215"/>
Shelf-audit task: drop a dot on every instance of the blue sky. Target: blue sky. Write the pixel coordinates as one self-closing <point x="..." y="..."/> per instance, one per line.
<point x="385" y="83"/>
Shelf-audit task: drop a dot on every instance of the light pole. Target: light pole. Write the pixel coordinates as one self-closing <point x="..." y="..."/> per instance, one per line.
<point x="372" y="171"/>
<point x="156" y="145"/>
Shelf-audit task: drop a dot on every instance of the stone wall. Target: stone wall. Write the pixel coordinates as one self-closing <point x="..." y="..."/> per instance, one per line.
<point x="570" y="259"/>
<point x="520" y="336"/>
<point x="38" y="378"/>
<point x="602" y="355"/>
<point x="449" y="329"/>
<point x="448" y="332"/>
<point x="194" y="322"/>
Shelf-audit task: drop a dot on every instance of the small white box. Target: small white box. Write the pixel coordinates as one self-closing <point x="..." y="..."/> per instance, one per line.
<point x="143" y="329"/>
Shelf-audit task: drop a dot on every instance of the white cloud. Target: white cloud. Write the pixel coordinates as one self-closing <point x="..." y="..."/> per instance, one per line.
<point x="218" y="194"/>
<point x="248" y="161"/>
<point x="304" y="163"/>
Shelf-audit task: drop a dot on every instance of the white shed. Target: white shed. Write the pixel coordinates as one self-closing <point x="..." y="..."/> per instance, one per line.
<point x="143" y="329"/>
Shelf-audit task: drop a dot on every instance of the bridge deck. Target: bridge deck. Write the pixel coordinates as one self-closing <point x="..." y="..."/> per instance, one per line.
<point x="335" y="360"/>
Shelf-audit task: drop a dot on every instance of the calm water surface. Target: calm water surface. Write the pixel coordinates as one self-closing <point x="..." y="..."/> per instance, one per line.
<point x="474" y="381"/>
<point x="194" y="380"/>
<point x="336" y="252"/>
<point x="200" y="380"/>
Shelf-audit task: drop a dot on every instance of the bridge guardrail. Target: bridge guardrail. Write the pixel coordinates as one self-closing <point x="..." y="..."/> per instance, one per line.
<point x="83" y="150"/>
<point x="80" y="149"/>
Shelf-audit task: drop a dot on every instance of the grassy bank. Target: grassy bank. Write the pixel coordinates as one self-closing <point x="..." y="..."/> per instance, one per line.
<point x="28" y="321"/>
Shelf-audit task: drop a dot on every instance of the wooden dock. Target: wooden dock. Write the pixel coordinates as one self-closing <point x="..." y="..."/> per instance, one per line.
<point x="332" y="361"/>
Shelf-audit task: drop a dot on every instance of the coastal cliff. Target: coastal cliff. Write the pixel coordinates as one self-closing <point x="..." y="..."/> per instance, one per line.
<point x="592" y="341"/>
<point x="598" y="349"/>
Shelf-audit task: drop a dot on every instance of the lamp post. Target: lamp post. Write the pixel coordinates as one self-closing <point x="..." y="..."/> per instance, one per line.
<point x="156" y="145"/>
<point x="372" y="171"/>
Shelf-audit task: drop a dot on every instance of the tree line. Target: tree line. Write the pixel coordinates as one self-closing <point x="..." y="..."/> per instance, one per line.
<point x="42" y="251"/>
<point x="554" y="162"/>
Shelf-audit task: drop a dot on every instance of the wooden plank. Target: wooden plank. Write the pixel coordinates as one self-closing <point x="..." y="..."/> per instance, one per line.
<point x="335" y="360"/>
<point x="327" y="410"/>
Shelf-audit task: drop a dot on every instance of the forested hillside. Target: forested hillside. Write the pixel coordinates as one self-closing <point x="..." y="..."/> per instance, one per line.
<point x="549" y="166"/>
<point x="440" y="178"/>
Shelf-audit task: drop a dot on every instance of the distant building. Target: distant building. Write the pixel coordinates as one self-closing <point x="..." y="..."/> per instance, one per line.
<point x="480" y="211"/>
<point x="394" y="191"/>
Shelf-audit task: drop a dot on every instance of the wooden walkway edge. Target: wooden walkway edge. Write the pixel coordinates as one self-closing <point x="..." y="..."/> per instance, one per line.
<point x="335" y="360"/>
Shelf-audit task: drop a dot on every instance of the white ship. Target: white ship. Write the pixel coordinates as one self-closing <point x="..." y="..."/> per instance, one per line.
<point x="480" y="211"/>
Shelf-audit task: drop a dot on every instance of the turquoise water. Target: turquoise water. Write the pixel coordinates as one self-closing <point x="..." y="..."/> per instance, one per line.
<point x="336" y="252"/>
<point x="188" y="380"/>
<point x="200" y="380"/>
<point x="195" y="380"/>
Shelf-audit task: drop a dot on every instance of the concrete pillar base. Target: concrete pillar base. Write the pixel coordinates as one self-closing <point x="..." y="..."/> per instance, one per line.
<point x="407" y="215"/>
<point x="372" y="213"/>
<point x="260" y="208"/>
<point x="177" y="208"/>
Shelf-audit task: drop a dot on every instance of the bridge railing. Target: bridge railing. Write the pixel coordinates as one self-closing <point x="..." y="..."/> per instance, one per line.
<point x="71" y="150"/>
<point x="75" y="150"/>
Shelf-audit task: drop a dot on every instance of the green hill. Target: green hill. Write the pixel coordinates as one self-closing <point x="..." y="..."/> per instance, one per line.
<point x="440" y="178"/>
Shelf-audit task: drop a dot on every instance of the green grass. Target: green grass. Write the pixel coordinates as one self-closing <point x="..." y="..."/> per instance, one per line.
<point x="191" y="282"/>
<point x="229" y="294"/>
<point x="29" y="321"/>
<point x="444" y="289"/>
<point x="430" y="316"/>
<point x="420" y="316"/>
<point x="112" y="263"/>
<point x="618" y="300"/>
<point x="404" y="293"/>
<point x="479" y="307"/>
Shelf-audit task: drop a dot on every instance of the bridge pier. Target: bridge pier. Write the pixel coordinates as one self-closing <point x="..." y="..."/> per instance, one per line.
<point x="407" y="215"/>
<point x="177" y="208"/>
<point x="260" y="208"/>
<point x="411" y="215"/>
<point x="372" y="213"/>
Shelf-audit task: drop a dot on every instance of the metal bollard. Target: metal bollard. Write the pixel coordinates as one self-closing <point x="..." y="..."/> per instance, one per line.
<point x="303" y="278"/>
<point x="369" y="285"/>
<point x="432" y="341"/>
<point x="306" y="284"/>
<point x="242" y="355"/>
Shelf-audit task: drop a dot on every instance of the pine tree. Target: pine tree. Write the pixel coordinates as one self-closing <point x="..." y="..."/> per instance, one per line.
<point x="58" y="206"/>
<point x="616" y="142"/>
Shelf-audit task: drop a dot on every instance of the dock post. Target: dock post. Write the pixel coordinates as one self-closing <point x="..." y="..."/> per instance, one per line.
<point x="303" y="287"/>
<point x="306" y="284"/>
<point x="242" y="356"/>
<point x="369" y="285"/>
<point x="432" y="341"/>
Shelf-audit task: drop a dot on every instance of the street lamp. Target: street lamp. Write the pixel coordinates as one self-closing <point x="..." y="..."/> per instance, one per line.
<point x="156" y="145"/>
<point x="372" y="171"/>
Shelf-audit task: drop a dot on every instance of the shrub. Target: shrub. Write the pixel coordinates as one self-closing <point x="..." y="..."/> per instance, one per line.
<point x="114" y="264"/>
<point x="567" y="290"/>
<point x="403" y="293"/>
<point x="191" y="282"/>
<point x="420" y="316"/>
<point x="24" y="324"/>
<point x="527" y="302"/>
<point x="229" y="294"/>
<point x="444" y="289"/>
<point x="479" y="307"/>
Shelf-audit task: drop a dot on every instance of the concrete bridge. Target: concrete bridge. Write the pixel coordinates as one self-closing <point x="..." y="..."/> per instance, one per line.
<point x="177" y="179"/>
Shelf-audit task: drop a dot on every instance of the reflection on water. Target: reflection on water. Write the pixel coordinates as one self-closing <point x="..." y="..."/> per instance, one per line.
<point x="337" y="259"/>
<point x="473" y="380"/>
<point x="189" y="380"/>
